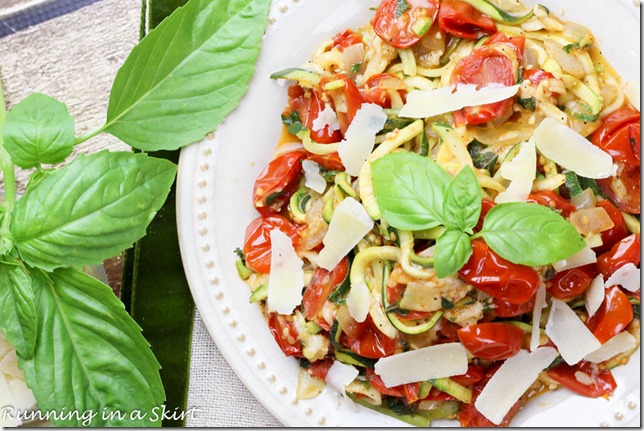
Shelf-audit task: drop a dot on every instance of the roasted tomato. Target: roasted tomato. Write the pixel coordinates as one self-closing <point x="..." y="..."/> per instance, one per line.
<point x="599" y="382"/>
<point x="625" y="251"/>
<point x="347" y="99"/>
<point x="285" y="334"/>
<point x="408" y="391"/>
<point x="619" y="136"/>
<point x="571" y="282"/>
<point x="615" y="313"/>
<point x="308" y="105"/>
<point x="403" y="26"/>
<point x="379" y="87"/>
<point x="550" y="199"/>
<point x="506" y="309"/>
<point x="277" y="182"/>
<point x="499" y="278"/>
<point x="257" y="242"/>
<point x="535" y="76"/>
<point x="492" y="341"/>
<point x="322" y="284"/>
<point x="615" y="234"/>
<point x="319" y="369"/>
<point x="366" y="340"/>
<point x="461" y="19"/>
<point x="346" y="39"/>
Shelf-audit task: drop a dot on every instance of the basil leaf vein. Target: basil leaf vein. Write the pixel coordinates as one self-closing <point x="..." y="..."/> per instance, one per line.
<point x="462" y="205"/>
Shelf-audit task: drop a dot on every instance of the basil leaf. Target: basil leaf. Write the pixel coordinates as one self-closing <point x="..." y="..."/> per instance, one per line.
<point x="530" y="234"/>
<point x="462" y="205"/>
<point x="38" y="130"/>
<point x="453" y="249"/>
<point x="90" y="354"/>
<point x="110" y="198"/>
<point x="410" y="190"/>
<point x="187" y="74"/>
<point x="18" y="320"/>
<point x="482" y="156"/>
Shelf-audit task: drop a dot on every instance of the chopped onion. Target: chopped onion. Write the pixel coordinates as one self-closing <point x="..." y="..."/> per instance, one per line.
<point x="352" y="55"/>
<point x="591" y="220"/>
<point x="595" y="295"/>
<point x="581" y="258"/>
<point x="620" y="343"/>
<point x="585" y="199"/>
<point x="578" y="33"/>
<point x="568" y="62"/>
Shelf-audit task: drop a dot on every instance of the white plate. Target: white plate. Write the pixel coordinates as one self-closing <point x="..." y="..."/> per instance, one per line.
<point x="214" y="206"/>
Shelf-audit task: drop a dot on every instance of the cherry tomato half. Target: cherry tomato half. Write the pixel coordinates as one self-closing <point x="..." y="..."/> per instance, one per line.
<point x="535" y="76"/>
<point x="330" y="162"/>
<point x="499" y="278"/>
<point x="346" y="39"/>
<point x="492" y="341"/>
<point x="408" y="391"/>
<point x="473" y="375"/>
<point x="483" y="66"/>
<point x="319" y="369"/>
<point x="285" y="334"/>
<point x="461" y="19"/>
<point x="615" y="234"/>
<point x="570" y="283"/>
<point x="486" y="205"/>
<point x="623" y="189"/>
<point x="366" y="340"/>
<point x="347" y="99"/>
<point x="308" y="105"/>
<point x="321" y="286"/>
<point x="550" y="199"/>
<point x="625" y="251"/>
<point x="276" y="183"/>
<point x="506" y="309"/>
<point x="602" y="381"/>
<point x="378" y="86"/>
<point x="403" y="27"/>
<point x="257" y="242"/>
<point x="615" y="313"/>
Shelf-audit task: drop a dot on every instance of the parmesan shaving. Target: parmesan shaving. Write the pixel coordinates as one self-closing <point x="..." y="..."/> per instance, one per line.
<point x="359" y="302"/>
<point x="312" y="177"/>
<point x="539" y="305"/>
<point x="360" y="137"/>
<point x="627" y="276"/>
<point x="340" y="376"/>
<point x="581" y="258"/>
<point x="620" y="343"/>
<point x="595" y="295"/>
<point x="286" y="279"/>
<point x="572" y="338"/>
<point x="521" y="171"/>
<point x="429" y="103"/>
<point x="326" y="118"/>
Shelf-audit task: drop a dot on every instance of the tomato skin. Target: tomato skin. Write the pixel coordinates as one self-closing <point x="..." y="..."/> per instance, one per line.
<point x="535" y="76"/>
<point x="321" y="286"/>
<point x="570" y="283"/>
<point x="462" y="20"/>
<point x="506" y="309"/>
<point x="492" y="341"/>
<point x="619" y="136"/>
<point x="625" y="251"/>
<point x="275" y="184"/>
<point x="408" y="391"/>
<point x="366" y="340"/>
<point x="499" y="278"/>
<point x="398" y="31"/>
<point x="284" y="332"/>
<point x="330" y="162"/>
<point x="615" y="234"/>
<point x="319" y="369"/>
<point x="473" y="375"/>
<point x="550" y="199"/>
<point x="375" y="91"/>
<point x="516" y="42"/>
<point x="257" y="241"/>
<point x="484" y="65"/>
<point x="346" y="39"/>
<point x="348" y="93"/>
<point x="615" y="313"/>
<point x="308" y="106"/>
<point x="603" y="381"/>
<point x="486" y="205"/>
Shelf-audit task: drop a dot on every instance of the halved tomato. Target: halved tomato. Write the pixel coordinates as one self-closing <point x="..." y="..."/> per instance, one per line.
<point x="321" y="286"/>
<point x="401" y="23"/>
<point x="257" y="241"/>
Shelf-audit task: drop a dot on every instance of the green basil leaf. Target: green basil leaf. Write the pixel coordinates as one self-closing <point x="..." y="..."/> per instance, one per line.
<point x="462" y="205"/>
<point x="187" y="74"/>
<point x="530" y="234"/>
<point x="109" y="200"/>
<point x="18" y="320"/>
<point x="410" y="190"/>
<point x="38" y="130"/>
<point x="453" y="249"/>
<point x="90" y="354"/>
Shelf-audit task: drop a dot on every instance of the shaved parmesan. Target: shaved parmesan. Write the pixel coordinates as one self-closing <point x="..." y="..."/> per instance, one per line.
<point x="511" y="381"/>
<point x="22" y="396"/>
<point x="286" y="279"/>
<point x="326" y="118"/>
<point x="428" y="103"/>
<point x="360" y="138"/>
<point x="6" y="400"/>
<point x="312" y="177"/>
<point x="359" y="302"/>
<point x="433" y="362"/>
<point x="521" y="171"/>
<point x="595" y="295"/>
<point x="571" y="150"/>
<point x="581" y="258"/>
<point x="350" y="222"/>
<point x="620" y="343"/>
<point x="539" y="305"/>
<point x="627" y="276"/>
<point x="340" y="376"/>
<point x="632" y="91"/>
<point x="572" y="338"/>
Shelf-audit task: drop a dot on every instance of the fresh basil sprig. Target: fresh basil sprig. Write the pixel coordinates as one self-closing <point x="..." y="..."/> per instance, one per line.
<point x="415" y="193"/>
<point x="80" y="350"/>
